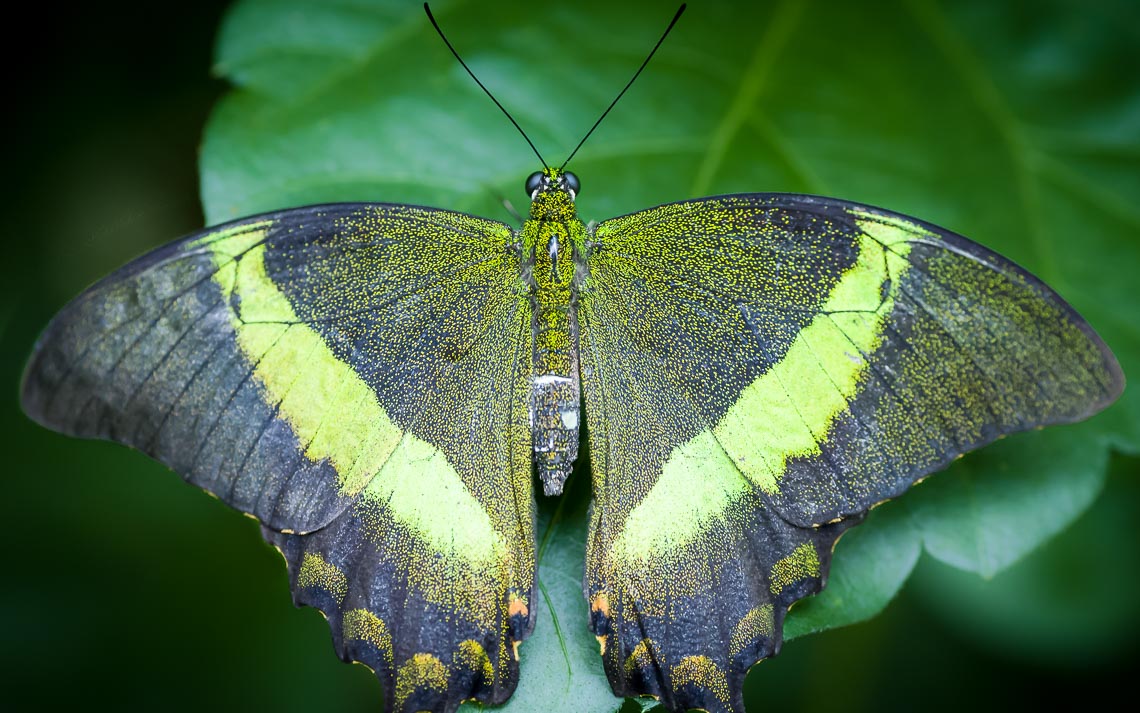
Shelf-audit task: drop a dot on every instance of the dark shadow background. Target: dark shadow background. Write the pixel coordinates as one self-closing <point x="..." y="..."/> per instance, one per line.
<point x="106" y="106"/>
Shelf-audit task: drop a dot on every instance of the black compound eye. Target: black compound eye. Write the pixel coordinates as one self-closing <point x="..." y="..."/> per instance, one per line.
<point x="572" y="183"/>
<point x="534" y="182"/>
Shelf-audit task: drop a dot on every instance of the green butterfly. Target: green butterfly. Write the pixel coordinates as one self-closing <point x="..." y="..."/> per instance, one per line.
<point x="377" y="384"/>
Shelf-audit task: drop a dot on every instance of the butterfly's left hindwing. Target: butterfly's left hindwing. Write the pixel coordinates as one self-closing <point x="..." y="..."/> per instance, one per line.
<point x="758" y="370"/>
<point x="355" y="377"/>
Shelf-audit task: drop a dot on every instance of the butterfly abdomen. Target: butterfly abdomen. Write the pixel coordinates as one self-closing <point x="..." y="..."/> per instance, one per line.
<point x="554" y="403"/>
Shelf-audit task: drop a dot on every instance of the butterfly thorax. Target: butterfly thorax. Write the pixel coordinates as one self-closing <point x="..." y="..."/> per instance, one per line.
<point x="552" y="243"/>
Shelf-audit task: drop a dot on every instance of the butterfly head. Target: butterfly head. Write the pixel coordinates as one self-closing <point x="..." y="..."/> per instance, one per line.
<point x="552" y="192"/>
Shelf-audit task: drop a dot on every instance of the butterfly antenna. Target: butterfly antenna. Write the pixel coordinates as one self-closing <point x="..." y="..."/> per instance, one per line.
<point x="653" y="51"/>
<point x="485" y="90"/>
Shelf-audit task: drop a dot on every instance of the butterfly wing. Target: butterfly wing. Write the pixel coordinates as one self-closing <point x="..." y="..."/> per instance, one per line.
<point x="353" y="376"/>
<point x="758" y="371"/>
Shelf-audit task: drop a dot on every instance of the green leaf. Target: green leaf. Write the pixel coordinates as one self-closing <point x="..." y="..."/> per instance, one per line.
<point x="1071" y="603"/>
<point x="999" y="504"/>
<point x="563" y="671"/>
<point x="1016" y="126"/>
<point x="871" y="564"/>
<point x="988" y="511"/>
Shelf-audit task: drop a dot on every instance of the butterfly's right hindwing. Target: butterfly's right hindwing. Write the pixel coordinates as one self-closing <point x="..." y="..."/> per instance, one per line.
<point x="355" y="377"/>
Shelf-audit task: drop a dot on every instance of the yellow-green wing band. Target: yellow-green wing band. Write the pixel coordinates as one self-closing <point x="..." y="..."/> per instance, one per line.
<point x="759" y="370"/>
<point x="354" y="376"/>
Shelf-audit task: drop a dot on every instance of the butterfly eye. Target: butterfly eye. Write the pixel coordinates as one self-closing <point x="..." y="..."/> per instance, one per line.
<point x="572" y="183"/>
<point x="534" y="182"/>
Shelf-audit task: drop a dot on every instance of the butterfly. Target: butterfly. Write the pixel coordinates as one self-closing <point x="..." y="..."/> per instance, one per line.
<point x="378" y="385"/>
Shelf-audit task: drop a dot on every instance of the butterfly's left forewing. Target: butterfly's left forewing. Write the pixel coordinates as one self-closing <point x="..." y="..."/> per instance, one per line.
<point x="355" y="377"/>
<point x="760" y="369"/>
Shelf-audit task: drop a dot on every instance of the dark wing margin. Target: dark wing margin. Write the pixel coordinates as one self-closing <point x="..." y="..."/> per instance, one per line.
<point x="353" y="376"/>
<point x="758" y="371"/>
<point x="148" y="357"/>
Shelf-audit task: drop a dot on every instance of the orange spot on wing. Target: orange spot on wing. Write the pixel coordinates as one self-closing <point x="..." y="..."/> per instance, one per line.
<point x="517" y="605"/>
<point x="600" y="603"/>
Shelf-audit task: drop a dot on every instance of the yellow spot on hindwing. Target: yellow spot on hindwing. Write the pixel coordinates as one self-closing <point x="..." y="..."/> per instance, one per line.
<point x="363" y="625"/>
<point x="802" y="562"/>
<point x="316" y="571"/>
<point x="421" y="671"/>
<point x="335" y="415"/>
<point x="755" y="624"/>
<point x="642" y="656"/>
<point x="700" y="671"/>
<point x="471" y="655"/>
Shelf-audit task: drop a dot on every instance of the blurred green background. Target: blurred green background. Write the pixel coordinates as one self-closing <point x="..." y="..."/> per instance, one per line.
<point x="124" y="588"/>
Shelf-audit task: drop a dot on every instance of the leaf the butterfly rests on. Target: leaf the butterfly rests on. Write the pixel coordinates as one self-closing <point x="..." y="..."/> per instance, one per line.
<point x="757" y="371"/>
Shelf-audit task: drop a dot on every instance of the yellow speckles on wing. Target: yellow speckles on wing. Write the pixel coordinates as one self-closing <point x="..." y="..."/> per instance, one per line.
<point x="516" y="606"/>
<point x="363" y="625"/>
<point x="786" y="412"/>
<point x="644" y="655"/>
<point x="421" y="671"/>
<point x="703" y="673"/>
<point x="802" y="562"/>
<point x="471" y="655"/>
<point x="232" y="242"/>
<point x="755" y="624"/>
<point x="769" y="367"/>
<point x="316" y="571"/>
<point x="697" y="483"/>
<point x="890" y="230"/>
<point x="331" y="410"/>
<point x="416" y="484"/>
<point x="861" y="285"/>
<point x="336" y="416"/>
